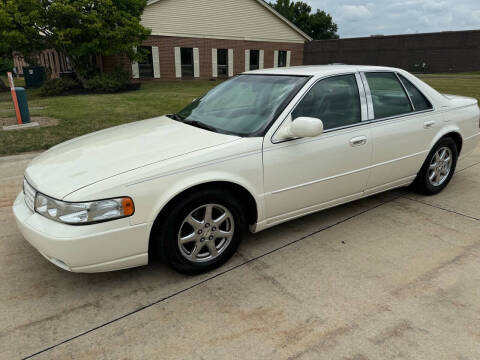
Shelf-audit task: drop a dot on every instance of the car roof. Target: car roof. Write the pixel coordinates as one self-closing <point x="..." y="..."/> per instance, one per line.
<point x="312" y="70"/>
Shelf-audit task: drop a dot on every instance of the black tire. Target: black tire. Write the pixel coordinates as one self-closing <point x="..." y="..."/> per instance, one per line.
<point x="422" y="183"/>
<point x="166" y="233"/>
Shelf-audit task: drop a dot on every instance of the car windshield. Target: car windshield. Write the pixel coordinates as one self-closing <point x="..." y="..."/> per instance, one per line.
<point x="244" y="105"/>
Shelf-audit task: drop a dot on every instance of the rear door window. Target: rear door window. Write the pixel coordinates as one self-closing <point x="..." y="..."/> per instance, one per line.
<point x="388" y="96"/>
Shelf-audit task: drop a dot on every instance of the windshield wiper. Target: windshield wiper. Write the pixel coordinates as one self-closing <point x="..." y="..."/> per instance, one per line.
<point x="175" y="117"/>
<point x="200" y="125"/>
<point x="195" y="123"/>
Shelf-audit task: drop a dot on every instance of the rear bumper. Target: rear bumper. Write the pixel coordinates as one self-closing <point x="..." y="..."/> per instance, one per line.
<point x="108" y="246"/>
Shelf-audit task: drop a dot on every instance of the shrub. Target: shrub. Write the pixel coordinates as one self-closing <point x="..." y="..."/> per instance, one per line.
<point x="60" y="86"/>
<point x="109" y="82"/>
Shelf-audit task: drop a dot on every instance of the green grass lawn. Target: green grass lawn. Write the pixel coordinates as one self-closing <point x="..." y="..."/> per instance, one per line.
<point x="82" y="114"/>
<point x="455" y="84"/>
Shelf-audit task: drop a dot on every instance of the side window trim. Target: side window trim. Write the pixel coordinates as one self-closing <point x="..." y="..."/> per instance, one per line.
<point x="363" y="97"/>
<point x="406" y="92"/>
<point x="371" y="111"/>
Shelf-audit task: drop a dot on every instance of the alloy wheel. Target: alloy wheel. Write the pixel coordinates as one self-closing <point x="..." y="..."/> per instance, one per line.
<point x="206" y="233"/>
<point x="440" y="166"/>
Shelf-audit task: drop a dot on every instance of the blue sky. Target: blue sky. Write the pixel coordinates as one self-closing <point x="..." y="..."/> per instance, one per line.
<point x="365" y="18"/>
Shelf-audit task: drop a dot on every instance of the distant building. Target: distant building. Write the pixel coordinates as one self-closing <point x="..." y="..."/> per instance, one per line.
<point x="450" y="51"/>
<point x="207" y="39"/>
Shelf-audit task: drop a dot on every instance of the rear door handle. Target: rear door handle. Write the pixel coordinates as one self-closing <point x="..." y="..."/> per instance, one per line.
<point x="428" y="124"/>
<point x="358" y="141"/>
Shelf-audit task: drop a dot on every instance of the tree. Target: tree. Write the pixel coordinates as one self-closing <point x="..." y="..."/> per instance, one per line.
<point x="18" y="31"/>
<point x="80" y="29"/>
<point x="6" y="64"/>
<point x="318" y="25"/>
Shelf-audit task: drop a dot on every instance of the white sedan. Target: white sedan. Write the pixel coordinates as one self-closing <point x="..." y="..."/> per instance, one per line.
<point x="260" y="149"/>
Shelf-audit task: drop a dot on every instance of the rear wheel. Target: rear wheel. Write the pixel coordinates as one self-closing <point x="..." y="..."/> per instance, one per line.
<point x="202" y="232"/>
<point x="438" y="169"/>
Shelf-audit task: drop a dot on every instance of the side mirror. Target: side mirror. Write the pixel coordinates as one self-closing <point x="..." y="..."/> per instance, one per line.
<point x="301" y="127"/>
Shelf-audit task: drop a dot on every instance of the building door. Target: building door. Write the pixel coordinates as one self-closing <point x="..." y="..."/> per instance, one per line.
<point x="187" y="62"/>
<point x="222" y="62"/>
<point x="145" y="67"/>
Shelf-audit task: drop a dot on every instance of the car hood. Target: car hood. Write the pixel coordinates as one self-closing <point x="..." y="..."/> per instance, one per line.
<point x="94" y="157"/>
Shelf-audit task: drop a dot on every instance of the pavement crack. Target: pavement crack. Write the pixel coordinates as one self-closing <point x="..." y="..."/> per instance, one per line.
<point x="441" y="208"/>
<point x="211" y="278"/>
<point x="468" y="167"/>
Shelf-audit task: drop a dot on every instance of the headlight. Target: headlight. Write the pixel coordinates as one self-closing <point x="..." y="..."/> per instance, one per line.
<point x="83" y="213"/>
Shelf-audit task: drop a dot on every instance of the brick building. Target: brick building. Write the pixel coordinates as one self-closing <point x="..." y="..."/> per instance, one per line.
<point x="449" y="51"/>
<point x="207" y="39"/>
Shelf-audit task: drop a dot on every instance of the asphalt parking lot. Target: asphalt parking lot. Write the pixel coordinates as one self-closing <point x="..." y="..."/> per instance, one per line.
<point x="395" y="276"/>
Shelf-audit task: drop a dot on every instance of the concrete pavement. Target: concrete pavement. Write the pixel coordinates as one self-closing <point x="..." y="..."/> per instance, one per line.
<point x="395" y="276"/>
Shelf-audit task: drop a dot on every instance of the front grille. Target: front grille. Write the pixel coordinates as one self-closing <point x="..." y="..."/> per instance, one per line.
<point x="29" y="193"/>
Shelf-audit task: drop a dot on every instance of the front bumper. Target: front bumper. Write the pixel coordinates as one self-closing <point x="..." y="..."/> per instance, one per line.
<point x="108" y="246"/>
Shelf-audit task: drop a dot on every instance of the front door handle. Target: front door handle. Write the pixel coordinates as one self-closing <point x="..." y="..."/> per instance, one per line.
<point x="358" y="141"/>
<point x="428" y="124"/>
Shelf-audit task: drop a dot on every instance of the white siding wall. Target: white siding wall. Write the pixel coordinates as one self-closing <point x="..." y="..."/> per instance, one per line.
<point x="246" y="19"/>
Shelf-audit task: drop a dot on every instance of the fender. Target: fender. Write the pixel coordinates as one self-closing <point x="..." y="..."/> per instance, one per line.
<point x="450" y="128"/>
<point x="203" y="178"/>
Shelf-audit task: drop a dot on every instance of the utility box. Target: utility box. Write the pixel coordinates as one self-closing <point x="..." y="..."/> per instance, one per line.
<point x="23" y="104"/>
<point x="34" y="76"/>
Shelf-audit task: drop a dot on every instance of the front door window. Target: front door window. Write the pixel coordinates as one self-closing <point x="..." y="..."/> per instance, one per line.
<point x="335" y="101"/>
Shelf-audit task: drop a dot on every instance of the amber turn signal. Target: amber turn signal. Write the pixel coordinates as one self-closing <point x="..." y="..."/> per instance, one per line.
<point x="128" y="207"/>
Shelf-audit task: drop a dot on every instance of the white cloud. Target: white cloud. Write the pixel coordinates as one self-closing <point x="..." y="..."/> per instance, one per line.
<point x="354" y="12"/>
<point x="364" y="18"/>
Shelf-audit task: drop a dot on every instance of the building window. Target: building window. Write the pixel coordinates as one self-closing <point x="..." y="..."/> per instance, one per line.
<point x="187" y="62"/>
<point x="254" y="59"/>
<point x="145" y="67"/>
<point x="222" y="62"/>
<point x="282" y="58"/>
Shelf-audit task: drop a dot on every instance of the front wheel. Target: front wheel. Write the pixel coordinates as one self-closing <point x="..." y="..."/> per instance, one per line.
<point x="438" y="169"/>
<point x="202" y="232"/>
